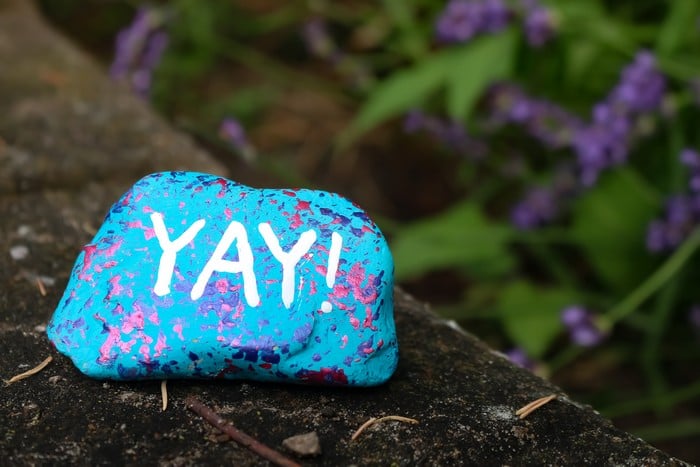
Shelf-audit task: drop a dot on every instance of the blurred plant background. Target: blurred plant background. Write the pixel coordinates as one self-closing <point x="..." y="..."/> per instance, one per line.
<point x="534" y="163"/>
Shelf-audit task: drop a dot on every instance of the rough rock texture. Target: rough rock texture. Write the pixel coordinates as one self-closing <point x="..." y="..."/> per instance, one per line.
<point x="70" y="144"/>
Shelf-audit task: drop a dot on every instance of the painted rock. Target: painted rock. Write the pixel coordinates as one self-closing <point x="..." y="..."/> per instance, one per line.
<point x="196" y="276"/>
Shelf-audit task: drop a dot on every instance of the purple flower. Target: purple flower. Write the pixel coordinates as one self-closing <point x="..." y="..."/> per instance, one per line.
<point x="450" y="133"/>
<point x="520" y="358"/>
<point x="231" y="131"/>
<point x="597" y="148"/>
<point x="130" y="43"/>
<point x="317" y="39"/>
<point x="461" y="20"/>
<point x="641" y="87"/>
<point x="694" y="316"/>
<point x="681" y="214"/>
<point x="538" y="207"/>
<point x="545" y="121"/>
<point x="605" y="142"/>
<point x="414" y="121"/>
<point x="138" y="50"/>
<point x="581" y="326"/>
<point x="691" y="159"/>
<point x="539" y="26"/>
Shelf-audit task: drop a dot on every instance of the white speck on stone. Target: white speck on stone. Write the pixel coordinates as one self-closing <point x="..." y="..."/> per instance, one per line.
<point x="19" y="252"/>
<point x="500" y="412"/>
<point x="40" y="328"/>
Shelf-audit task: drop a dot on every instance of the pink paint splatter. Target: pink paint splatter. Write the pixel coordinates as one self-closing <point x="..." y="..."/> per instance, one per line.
<point x="115" y="288"/>
<point x="112" y="249"/>
<point x="125" y="201"/>
<point x="153" y="318"/>
<point x="224" y="185"/>
<point x="356" y="277"/>
<point x="177" y="329"/>
<point x="228" y="213"/>
<point x="341" y="291"/>
<point x="89" y="253"/>
<point x="303" y="206"/>
<point x="133" y="321"/>
<point x="113" y="338"/>
<point x="145" y="352"/>
<point x="148" y="232"/>
<point x="295" y="221"/>
<point x="160" y="345"/>
<point x="222" y="285"/>
<point x="367" y="323"/>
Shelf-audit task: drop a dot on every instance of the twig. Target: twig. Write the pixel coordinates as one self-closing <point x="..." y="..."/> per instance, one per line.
<point x="40" y="284"/>
<point x="526" y="410"/>
<point x="374" y="420"/>
<point x="164" y="393"/>
<point x="238" y="436"/>
<point x="31" y="372"/>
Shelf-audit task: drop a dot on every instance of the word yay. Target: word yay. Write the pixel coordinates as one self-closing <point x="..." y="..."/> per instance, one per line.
<point x="237" y="232"/>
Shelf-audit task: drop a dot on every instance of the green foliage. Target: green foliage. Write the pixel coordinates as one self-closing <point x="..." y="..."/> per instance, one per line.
<point x="465" y="72"/>
<point x="462" y="237"/>
<point x="531" y="314"/>
<point x="607" y="223"/>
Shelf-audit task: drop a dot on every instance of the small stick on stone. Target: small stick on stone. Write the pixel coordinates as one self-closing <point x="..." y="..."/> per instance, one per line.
<point x="164" y="393"/>
<point x="40" y="284"/>
<point x="534" y="405"/>
<point x="238" y="436"/>
<point x="31" y="372"/>
<point x="374" y="420"/>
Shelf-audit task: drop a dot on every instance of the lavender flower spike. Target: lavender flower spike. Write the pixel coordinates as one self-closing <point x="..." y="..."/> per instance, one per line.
<point x="231" y="131"/>
<point x="520" y="358"/>
<point x="539" y="26"/>
<point x="138" y="50"/>
<point x="538" y="207"/>
<point x="581" y="326"/>
<point x="461" y="20"/>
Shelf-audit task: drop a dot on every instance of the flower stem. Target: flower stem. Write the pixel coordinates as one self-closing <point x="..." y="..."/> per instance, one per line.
<point x="650" y="286"/>
<point x="650" y="355"/>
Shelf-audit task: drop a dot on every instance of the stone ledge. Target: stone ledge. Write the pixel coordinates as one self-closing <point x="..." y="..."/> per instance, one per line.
<point x="71" y="144"/>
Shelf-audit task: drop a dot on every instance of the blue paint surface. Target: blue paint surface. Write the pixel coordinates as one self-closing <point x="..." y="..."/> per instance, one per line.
<point x="195" y="276"/>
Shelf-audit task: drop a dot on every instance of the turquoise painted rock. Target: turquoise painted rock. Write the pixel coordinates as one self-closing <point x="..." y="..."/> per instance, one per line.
<point x="195" y="276"/>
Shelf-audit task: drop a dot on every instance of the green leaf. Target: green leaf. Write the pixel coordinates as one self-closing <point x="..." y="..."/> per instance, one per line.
<point x="679" y="22"/>
<point x="610" y="224"/>
<point x="476" y="66"/>
<point x="398" y="93"/>
<point x="403" y="16"/>
<point x="467" y="70"/>
<point x="461" y="237"/>
<point x="530" y="315"/>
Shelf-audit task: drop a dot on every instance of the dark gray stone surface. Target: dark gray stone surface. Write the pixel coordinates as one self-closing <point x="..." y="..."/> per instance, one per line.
<point x="70" y="144"/>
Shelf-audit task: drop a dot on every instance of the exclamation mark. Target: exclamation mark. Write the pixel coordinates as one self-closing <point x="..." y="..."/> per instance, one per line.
<point x="332" y="270"/>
